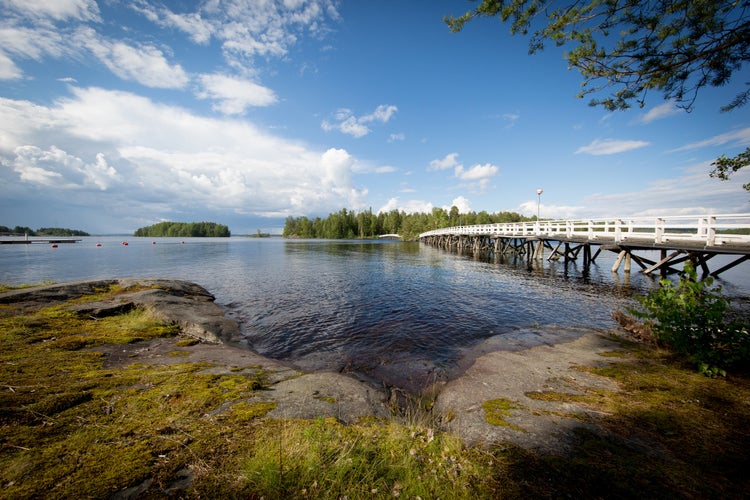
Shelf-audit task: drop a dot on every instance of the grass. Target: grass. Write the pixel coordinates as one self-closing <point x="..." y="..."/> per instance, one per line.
<point x="70" y="427"/>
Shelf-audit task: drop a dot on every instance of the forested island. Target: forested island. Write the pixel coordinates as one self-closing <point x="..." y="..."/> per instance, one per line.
<point x="185" y="229"/>
<point x="352" y="224"/>
<point x="42" y="231"/>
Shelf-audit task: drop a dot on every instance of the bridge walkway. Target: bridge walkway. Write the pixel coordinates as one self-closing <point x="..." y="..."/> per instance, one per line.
<point x="678" y="239"/>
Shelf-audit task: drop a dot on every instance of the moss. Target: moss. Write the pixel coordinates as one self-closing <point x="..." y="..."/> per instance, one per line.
<point x="72" y="428"/>
<point x="245" y="410"/>
<point x="187" y="342"/>
<point x="327" y="399"/>
<point x="496" y="411"/>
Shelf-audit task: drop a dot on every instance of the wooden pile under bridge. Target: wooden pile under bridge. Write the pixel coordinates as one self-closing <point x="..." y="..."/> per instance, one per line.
<point x="677" y="239"/>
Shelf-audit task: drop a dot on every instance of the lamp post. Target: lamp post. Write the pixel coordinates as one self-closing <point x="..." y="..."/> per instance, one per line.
<point x="539" y="202"/>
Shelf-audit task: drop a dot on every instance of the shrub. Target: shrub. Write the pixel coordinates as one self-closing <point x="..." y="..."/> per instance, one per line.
<point x="691" y="317"/>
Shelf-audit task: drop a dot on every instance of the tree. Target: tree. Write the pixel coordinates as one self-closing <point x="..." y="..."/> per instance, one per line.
<point x="672" y="46"/>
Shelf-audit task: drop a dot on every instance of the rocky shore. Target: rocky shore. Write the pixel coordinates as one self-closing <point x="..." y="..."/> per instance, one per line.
<point x="498" y="370"/>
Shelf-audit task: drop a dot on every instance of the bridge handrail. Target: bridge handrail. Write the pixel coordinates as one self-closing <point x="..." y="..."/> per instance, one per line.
<point x="710" y="230"/>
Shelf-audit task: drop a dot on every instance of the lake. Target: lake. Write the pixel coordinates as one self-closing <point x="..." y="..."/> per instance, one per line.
<point x="389" y="312"/>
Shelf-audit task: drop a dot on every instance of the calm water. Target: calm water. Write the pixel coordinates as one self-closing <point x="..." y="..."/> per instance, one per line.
<point x="391" y="312"/>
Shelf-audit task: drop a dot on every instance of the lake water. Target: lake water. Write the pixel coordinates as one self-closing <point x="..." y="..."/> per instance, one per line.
<point x="390" y="312"/>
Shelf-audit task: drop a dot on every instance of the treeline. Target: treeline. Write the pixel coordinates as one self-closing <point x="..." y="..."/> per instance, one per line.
<point x="185" y="229"/>
<point x="42" y="231"/>
<point x="352" y="224"/>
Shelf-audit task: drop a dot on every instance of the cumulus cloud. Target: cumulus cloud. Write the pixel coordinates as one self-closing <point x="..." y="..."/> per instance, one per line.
<point x="57" y="169"/>
<point x="477" y="177"/>
<point x="346" y="122"/>
<point x="408" y="206"/>
<point x="477" y="172"/>
<point x="142" y="153"/>
<point x="233" y="95"/>
<point x="610" y="146"/>
<point x="449" y="161"/>
<point x="463" y="205"/>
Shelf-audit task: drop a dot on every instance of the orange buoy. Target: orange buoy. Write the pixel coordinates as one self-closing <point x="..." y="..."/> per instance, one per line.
<point x="54" y="245"/>
<point x="98" y="244"/>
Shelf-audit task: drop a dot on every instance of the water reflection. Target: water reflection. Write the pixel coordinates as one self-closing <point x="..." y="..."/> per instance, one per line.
<point x="395" y="313"/>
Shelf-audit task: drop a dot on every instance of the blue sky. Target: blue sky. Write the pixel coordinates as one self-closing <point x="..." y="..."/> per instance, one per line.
<point x="119" y="114"/>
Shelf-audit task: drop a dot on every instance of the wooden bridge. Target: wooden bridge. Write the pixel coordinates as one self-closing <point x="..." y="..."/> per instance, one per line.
<point x="678" y="239"/>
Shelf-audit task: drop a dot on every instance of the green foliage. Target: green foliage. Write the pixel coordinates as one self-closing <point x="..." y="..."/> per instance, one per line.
<point x="350" y="224"/>
<point x="691" y="317"/>
<point x="184" y="229"/>
<point x="60" y="231"/>
<point x="43" y="231"/>
<point x="724" y="167"/>
<point x="634" y="46"/>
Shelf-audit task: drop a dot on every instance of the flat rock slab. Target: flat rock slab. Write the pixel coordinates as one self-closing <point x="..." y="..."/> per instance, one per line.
<point x="326" y="394"/>
<point x="539" y="425"/>
<point x="192" y="308"/>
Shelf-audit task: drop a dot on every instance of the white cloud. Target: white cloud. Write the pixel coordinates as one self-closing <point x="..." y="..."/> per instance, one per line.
<point x="57" y="169"/>
<point x="8" y="69"/>
<point x="247" y="29"/>
<point x="382" y="113"/>
<point x="409" y="206"/>
<point x="478" y="177"/>
<point x="445" y="163"/>
<point x="396" y="137"/>
<point x="346" y="122"/>
<point x="144" y="154"/>
<point x="477" y="172"/>
<point x="193" y="24"/>
<point x="234" y="95"/>
<point x="610" y="146"/>
<point x="659" y="112"/>
<point x="34" y="43"/>
<point x="739" y="137"/>
<point x="82" y="10"/>
<point x="145" y="64"/>
<point x="463" y="205"/>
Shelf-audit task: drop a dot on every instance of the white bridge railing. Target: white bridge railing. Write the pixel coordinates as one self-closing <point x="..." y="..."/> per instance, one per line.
<point x="708" y="230"/>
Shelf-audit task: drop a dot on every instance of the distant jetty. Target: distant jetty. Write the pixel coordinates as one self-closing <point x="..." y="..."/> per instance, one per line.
<point x="27" y="241"/>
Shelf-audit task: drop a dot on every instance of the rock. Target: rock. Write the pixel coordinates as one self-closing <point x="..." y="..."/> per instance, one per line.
<point x="540" y="425"/>
<point x="48" y="295"/>
<point x="326" y="394"/>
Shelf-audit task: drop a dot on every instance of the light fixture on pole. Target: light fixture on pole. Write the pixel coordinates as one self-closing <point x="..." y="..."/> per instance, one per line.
<point x="539" y="201"/>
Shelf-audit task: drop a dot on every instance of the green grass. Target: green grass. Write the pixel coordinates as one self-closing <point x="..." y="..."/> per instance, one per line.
<point x="72" y="428"/>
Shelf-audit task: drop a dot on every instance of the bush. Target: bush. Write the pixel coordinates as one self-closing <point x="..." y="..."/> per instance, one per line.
<point x="692" y="319"/>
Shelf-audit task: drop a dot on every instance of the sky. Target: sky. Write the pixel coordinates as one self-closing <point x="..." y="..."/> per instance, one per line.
<point x="116" y="115"/>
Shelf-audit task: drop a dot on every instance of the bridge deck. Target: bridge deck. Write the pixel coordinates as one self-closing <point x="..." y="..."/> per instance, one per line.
<point x="695" y="238"/>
